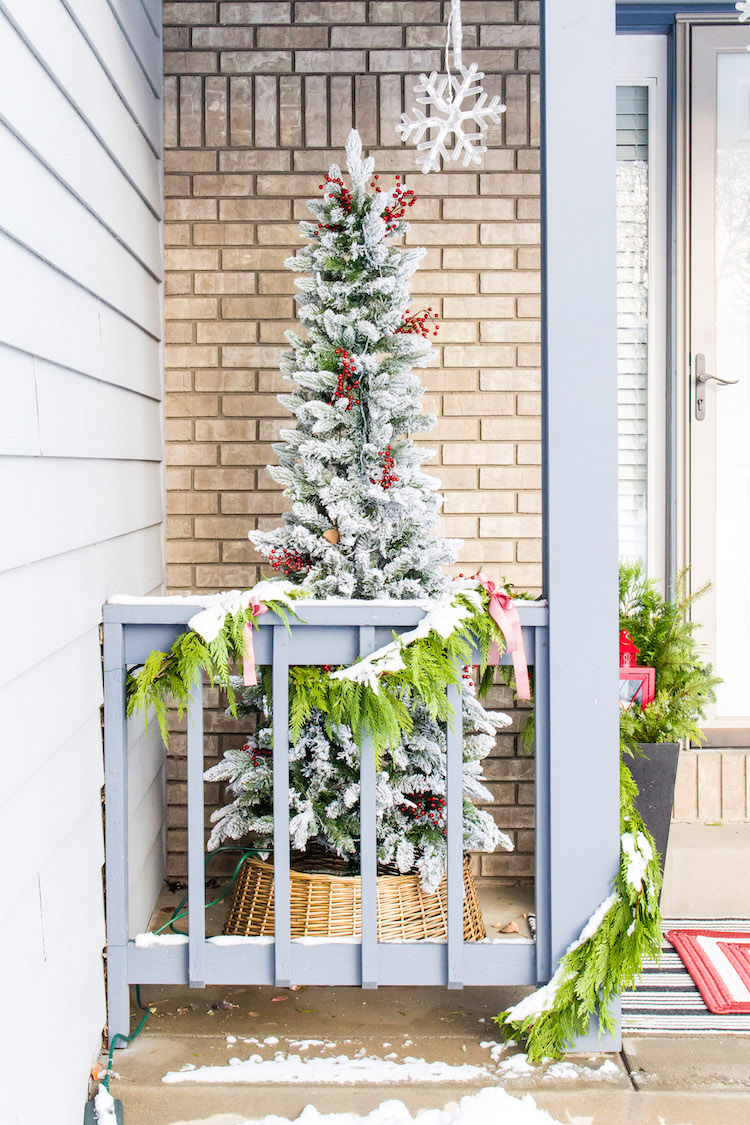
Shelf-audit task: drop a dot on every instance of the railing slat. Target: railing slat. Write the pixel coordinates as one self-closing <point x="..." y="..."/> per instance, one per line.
<point x="282" y="922"/>
<point x="542" y="801"/>
<point x="368" y="844"/>
<point x="454" y="812"/>
<point x="196" y="841"/>
<point x="116" y="808"/>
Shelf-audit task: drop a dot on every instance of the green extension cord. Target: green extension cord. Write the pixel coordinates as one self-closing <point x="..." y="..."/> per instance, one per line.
<point x="177" y="913"/>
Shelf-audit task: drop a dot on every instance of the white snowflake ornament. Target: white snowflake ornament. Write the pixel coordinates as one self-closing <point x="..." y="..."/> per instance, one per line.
<point x="448" y="94"/>
<point x="744" y="8"/>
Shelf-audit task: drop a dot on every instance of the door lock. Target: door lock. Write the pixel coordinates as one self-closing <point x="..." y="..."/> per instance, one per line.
<point x="701" y="378"/>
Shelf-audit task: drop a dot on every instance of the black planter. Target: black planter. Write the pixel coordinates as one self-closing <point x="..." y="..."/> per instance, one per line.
<point x="655" y="777"/>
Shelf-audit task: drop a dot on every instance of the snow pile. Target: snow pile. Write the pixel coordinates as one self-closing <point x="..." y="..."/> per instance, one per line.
<point x="340" y="1070"/>
<point x="517" y="1068"/>
<point x="488" y="1107"/>
<point x="104" y="1107"/>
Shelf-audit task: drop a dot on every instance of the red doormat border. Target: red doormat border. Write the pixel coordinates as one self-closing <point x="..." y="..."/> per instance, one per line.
<point x="719" y="965"/>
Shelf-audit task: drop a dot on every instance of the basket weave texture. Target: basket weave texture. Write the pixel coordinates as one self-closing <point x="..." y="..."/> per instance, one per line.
<point x="325" y="905"/>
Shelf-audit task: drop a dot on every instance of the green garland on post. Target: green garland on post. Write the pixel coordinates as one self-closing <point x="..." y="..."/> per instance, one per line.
<point x="608" y="955"/>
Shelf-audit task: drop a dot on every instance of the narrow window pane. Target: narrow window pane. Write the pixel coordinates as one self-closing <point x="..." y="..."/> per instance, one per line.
<point x="632" y="317"/>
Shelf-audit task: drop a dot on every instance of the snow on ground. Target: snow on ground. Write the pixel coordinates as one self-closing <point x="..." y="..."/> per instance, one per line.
<point x="104" y="1107"/>
<point x="488" y="1107"/>
<point x="340" y="1070"/>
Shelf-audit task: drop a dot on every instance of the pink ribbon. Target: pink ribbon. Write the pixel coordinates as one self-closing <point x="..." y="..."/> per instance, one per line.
<point x="249" y="672"/>
<point x="503" y="611"/>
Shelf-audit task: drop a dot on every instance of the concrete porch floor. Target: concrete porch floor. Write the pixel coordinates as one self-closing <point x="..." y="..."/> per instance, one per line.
<point x="688" y="1080"/>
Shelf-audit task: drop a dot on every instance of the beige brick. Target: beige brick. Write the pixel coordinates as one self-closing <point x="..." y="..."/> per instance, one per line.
<point x="292" y="37"/>
<point x="510" y="476"/>
<point x="186" y="160"/>
<point x="178" y="429"/>
<point x="224" y="37"/>
<point x="176" y="185"/>
<point x="511" y="429"/>
<point x="529" y="355"/>
<point x="529" y="453"/>
<point x="455" y="477"/>
<point x="178" y="332"/>
<point x="474" y="453"/>
<point x="434" y="36"/>
<point x="190" y="209"/>
<point x="476" y="307"/>
<point x="426" y="281"/>
<point x="185" y="355"/>
<point x="290" y="107"/>
<point x="180" y="551"/>
<point x="241" y="111"/>
<point x="171" y="112"/>
<point x="528" y="11"/>
<point x="227" y="332"/>
<point x="183" y="12"/>
<point x="226" y="282"/>
<point x="221" y="479"/>
<point x="254" y="406"/>
<point x="486" y="258"/>
<point x="510" y="281"/>
<point x="222" y="380"/>
<point x="191" y="308"/>
<point x="327" y="62"/>
<point x="419" y="11"/>
<point x="251" y="307"/>
<point x="530" y="502"/>
<point x="189" y="62"/>
<point x="509" y="183"/>
<point x="176" y="38"/>
<point x="510" y="331"/>
<point x="370" y="36"/>
<point x="188" y="453"/>
<point x="216" y="112"/>
<point x="256" y="11"/>
<point x="178" y="380"/>
<point x="528" y="258"/>
<point x="177" y="283"/>
<point x="276" y="283"/>
<point x="177" y="479"/>
<point x="249" y="258"/>
<point x="498" y="209"/>
<point x="479" y="501"/>
<point x="481" y="405"/>
<point x="396" y="62"/>
<point x="253" y="503"/>
<point x="510" y="527"/>
<point x="485" y="551"/>
<point x="182" y="259"/>
<point x="442" y="379"/>
<point x="509" y="234"/>
<point x="176" y="234"/>
<point x="193" y="502"/>
<point x="510" y="35"/>
<point x="438" y="234"/>
<point x="488" y="11"/>
<point x="529" y="550"/>
<point x="223" y="234"/>
<point x="256" y="62"/>
<point x="178" y="579"/>
<point x="338" y="11"/>
<point x="445" y="183"/>
<point x="474" y="356"/>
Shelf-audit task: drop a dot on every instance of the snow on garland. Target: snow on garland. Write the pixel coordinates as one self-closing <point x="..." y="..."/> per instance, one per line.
<point x="608" y="954"/>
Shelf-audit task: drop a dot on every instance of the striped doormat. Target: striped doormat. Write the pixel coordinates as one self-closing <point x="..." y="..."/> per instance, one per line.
<point x="667" y="1001"/>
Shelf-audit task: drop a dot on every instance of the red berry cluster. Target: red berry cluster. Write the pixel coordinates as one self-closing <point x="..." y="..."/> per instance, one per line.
<point x="387" y="477"/>
<point x="401" y="200"/>
<point x="427" y="805"/>
<point x="466" y="674"/>
<point x="419" y="322"/>
<point x="347" y="381"/>
<point x="256" y="755"/>
<point x="289" y="562"/>
<point x="345" y="202"/>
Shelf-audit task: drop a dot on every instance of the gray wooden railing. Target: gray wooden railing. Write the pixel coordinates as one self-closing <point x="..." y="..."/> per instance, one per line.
<point x="330" y="634"/>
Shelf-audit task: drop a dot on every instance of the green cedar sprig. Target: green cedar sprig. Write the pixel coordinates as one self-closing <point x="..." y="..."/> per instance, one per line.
<point x="610" y="960"/>
<point x="171" y="675"/>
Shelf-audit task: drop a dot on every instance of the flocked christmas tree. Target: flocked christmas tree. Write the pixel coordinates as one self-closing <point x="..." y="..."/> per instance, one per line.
<point x="361" y="525"/>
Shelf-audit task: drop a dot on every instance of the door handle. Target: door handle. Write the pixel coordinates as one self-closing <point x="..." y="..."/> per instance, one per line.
<point x="701" y="378"/>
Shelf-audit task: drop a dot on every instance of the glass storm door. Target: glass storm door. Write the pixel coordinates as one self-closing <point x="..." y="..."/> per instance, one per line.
<point x="719" y="340"/>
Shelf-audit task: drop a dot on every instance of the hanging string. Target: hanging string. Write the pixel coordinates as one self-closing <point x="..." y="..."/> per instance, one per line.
<point x="453" y="39"/>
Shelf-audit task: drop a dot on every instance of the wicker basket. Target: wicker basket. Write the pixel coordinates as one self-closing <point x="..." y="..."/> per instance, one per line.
<point x="324" y="905"/>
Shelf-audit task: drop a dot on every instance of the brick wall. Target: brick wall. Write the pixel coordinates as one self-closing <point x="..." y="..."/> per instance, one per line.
<point x="259" y="100"/>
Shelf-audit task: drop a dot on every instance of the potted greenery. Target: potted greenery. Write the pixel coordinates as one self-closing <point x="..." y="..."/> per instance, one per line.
<point x="662" y="632"/>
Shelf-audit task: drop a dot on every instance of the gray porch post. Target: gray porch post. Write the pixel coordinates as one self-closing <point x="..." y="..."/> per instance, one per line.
<point x="580" y="458"/>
